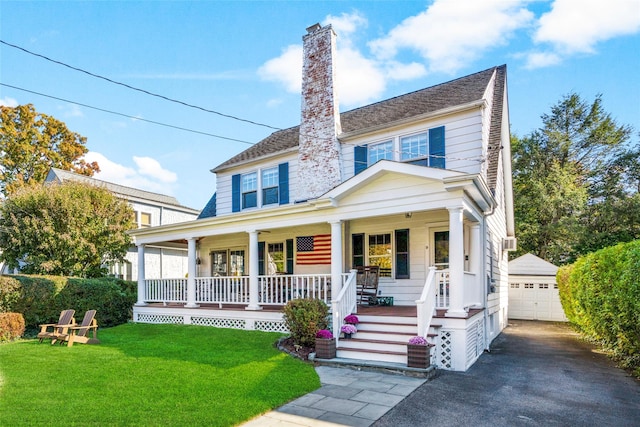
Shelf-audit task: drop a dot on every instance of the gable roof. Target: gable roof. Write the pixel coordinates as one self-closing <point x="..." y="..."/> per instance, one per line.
<point x="122" y="191"/>
<point x="445" y="95"/>
<point x="210" y="209"/>
<point x="531" y="265"/>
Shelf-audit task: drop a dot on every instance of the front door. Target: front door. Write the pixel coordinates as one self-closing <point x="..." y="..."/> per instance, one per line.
<point x="440" y="248"/>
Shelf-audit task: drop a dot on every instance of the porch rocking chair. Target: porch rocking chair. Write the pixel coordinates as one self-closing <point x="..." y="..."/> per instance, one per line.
<point x="55" y="331"/>
<point x="367" y="284"/>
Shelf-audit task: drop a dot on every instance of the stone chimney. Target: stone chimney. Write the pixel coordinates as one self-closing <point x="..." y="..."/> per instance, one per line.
<point x="319" y="168"/>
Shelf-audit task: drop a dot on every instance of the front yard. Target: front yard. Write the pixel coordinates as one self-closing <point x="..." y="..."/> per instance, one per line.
<point x="150" y="375"/>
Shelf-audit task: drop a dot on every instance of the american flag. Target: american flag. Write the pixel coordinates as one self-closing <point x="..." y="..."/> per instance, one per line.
<point x="314" y="249"/>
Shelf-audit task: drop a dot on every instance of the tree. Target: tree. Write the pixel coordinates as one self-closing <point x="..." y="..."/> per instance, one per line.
<point x="68" y="229"/>
<point x="576" y="182"/>
<point x="31" y="143"/>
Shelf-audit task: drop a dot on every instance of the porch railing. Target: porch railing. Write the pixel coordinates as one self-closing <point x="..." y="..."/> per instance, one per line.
<point x="441" y="288"/>
<point x="426" y="305"/>
<point x="165" y="290"/>
<point x="344" y="303"/>
<point x="273" y="290"/>
<point x="278" y="290"/>
<point x="222" y="290"/>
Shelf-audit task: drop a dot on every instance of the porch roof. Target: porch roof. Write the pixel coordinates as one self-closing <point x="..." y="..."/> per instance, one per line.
<point x="329" y="206"/>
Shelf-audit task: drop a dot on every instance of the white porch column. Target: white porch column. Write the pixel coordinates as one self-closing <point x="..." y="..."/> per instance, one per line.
<point x="336" y="258"/>
<point x="141" y="290"/>
<point x="254" y="265"/>
<point x="456" y="263"/>
<point x="191" y="273"/>
<point x="475" y="263"/>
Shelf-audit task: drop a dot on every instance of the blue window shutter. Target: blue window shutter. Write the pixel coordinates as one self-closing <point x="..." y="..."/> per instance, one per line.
<point x="260" y="258"/>
<point x="283" y="183"/>
<point x="359" y="159"/>
<point x="436" y="147"/>
<point x="235" y="193"/>
<point x="289" y="252"/>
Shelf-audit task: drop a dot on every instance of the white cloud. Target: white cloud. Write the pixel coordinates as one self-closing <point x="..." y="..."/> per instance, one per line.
<point x="149" y="175"/>
<point x="152" y="168"/>
<point x="72" y="110"/>
<point x="450" y="34"/>
<point x="398" y="71"/>
<point x="541" y="59"/>
<point x="576" y="27"/>
<point x="346" y="24"/>
<point x="359" y="79"/>
<point x="8" y="102"/>
<point x="285" y="69"/>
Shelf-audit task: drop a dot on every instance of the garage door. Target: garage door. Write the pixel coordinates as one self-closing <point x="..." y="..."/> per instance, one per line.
<point x="535" y="301"/>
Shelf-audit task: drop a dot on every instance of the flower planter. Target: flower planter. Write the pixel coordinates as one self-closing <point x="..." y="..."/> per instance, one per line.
<point x="418" y="356"/>
<point x="325" y="348"/>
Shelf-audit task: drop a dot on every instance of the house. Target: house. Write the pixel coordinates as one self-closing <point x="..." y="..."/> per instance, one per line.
<point x="533" y="290"/>
<point x="418" y="185"/>
<point x="168" y="259"/>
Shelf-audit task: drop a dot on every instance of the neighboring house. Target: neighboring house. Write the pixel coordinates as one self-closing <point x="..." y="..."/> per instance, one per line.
<point x="419" y="185"/>
<point x="151" y="209"/>
<point x="533" y="290"/>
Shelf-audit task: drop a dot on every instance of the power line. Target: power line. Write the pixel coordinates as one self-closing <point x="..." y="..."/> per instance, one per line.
<point x="128" y="116"/>
<point x="138" y="89"/>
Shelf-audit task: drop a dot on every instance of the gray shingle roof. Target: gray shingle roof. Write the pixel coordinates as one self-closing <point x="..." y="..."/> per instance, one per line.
<point x="455" y="92"/>
<point x="63" y="175"/>
<point x="495" y="129"/>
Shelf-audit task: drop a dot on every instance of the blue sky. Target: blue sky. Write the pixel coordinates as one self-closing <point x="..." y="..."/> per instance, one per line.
<point x="243" y="59"/>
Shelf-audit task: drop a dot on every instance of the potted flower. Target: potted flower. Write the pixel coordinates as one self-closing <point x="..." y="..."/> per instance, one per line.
<point x="418" y="353"/>
<point x="351" y="319"/>
<point x="348" y="330"/>
<point x="325" y="344"/>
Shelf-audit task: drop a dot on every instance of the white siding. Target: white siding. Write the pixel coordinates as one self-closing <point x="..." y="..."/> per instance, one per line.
<point x="462" y="141"/>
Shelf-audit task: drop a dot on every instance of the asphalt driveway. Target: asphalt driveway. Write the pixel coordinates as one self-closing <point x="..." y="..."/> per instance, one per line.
<point x="537" y="374"/>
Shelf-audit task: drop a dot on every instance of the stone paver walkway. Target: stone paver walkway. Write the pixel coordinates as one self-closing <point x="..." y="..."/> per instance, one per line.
<point x="347" y="397"/>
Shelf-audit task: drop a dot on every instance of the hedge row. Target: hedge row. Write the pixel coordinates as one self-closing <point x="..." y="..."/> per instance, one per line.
<point x="40" y="299"/>
<point x="600" y="294"/>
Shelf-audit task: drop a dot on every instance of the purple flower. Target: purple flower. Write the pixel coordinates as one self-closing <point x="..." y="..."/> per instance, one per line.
<point x="352" y="319"/>
<point x="417" y="341"/>
<point x="324" y="334"/>
<point x="348" y="329"/>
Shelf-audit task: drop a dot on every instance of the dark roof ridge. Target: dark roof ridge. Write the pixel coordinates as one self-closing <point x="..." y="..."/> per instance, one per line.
<point x="423" y="89"/>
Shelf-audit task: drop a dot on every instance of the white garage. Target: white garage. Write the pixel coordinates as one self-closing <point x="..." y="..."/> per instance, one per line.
<point x="533" y="291"/>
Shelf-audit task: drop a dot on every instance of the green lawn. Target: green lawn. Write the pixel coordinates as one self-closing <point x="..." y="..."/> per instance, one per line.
<point x="149" y="375"/>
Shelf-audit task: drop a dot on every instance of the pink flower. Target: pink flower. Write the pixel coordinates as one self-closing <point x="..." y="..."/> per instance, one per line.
<point x="352" y="319"/>
<point x="348" y="329"/>
<point x="324" y="334"/>
<point x="417" y="341"/>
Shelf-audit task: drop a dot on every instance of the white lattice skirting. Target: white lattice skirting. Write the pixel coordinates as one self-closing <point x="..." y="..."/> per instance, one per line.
<point x="258" y="321"/>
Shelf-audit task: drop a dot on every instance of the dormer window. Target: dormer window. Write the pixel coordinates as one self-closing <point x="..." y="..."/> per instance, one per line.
<point x="249" y="190"/>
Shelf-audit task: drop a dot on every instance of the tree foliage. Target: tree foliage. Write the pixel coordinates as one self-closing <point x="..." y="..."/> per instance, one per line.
<point x="576" y="182"/>
<point x="68" y="229"/>
<point x="31" y="143"/>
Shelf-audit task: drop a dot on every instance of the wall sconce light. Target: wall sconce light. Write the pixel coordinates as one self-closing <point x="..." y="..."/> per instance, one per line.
<point x="198" y="261"/>
<point x="408" y="215"/>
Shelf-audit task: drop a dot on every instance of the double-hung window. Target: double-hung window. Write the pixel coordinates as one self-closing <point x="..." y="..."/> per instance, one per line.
<point x="389" y="251"/>
<point x="380" y="151"/>
<point x="413" y="149"/>
<point x="249" y="190"/>
<point x="270" y="186"/>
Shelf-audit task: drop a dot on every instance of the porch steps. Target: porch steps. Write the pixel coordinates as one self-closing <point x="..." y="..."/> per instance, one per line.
<point x="381" y="339"/>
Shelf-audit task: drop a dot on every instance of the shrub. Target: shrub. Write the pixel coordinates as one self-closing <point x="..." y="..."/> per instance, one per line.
<point x="11" y="326"/>
<point x="600" y="294"/>
<point x="40" y="299"/>
<point x="304" y="317"/>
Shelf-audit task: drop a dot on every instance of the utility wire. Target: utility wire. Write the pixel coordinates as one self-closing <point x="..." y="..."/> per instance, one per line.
<point x="128" y="116"/>
<point x="138" y="89"/>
